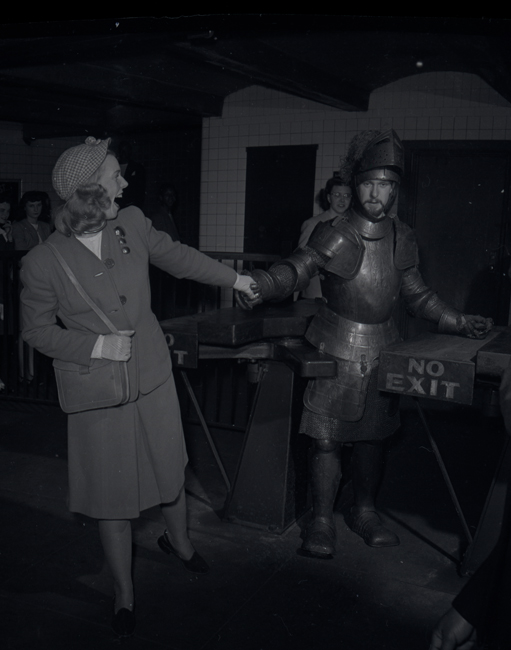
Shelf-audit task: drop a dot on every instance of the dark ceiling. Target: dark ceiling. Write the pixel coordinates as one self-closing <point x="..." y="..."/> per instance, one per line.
<point x="121" y="75"/>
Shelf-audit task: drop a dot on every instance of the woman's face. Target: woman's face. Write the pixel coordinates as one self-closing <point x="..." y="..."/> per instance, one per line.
<point x="110" y="178"/>
<point x="5" y="209"/>
<point x="33" y="209"/>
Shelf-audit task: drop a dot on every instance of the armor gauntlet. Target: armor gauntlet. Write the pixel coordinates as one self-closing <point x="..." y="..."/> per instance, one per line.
<point x="282" y="279"/>
<point x="422" y="302"/>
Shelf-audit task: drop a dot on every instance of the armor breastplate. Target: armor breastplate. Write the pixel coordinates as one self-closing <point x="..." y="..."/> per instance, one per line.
<point x="370" y="297"/>
<point x="355" y="320"/>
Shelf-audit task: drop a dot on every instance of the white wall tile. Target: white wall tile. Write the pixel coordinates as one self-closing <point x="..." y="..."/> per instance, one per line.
<point x="427" y="106"/>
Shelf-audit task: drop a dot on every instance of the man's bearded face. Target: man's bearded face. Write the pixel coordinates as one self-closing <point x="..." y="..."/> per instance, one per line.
<point x="374" y="196"/>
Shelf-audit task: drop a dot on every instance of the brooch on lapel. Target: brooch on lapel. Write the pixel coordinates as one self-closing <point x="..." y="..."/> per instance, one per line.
<point x="121" y="239"/>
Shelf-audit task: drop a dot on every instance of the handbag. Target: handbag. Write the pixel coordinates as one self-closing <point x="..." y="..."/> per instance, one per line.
<point x="102" y="384"/>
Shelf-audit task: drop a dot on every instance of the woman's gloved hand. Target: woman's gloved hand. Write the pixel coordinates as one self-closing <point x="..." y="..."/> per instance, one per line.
<point x="117" y="348"/>
<point x="246" y="291"/>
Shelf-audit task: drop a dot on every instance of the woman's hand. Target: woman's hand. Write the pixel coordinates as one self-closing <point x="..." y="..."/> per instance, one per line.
<point x="117" y="348"/>
<point x="247" y="290"/>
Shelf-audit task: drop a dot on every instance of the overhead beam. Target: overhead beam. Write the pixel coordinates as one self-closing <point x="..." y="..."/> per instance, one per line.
<point x="92" y="116"/>
<point x="262" y="64"/>
<point x="112" y="82"/>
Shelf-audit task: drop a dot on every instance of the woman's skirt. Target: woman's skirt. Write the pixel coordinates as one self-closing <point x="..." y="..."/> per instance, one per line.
<point x="126" y="459"/>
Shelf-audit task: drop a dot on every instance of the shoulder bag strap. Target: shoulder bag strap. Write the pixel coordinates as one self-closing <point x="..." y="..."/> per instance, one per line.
<point x="81" y="290"/>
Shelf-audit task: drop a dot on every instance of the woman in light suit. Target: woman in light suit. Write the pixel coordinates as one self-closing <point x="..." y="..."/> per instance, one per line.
<point x="125" y="459"/>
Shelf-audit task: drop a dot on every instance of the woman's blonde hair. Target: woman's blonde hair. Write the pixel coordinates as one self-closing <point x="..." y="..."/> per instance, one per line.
<point x="84" y="211"/>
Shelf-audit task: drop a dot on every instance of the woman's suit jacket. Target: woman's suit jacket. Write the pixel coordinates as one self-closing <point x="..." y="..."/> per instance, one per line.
<point x="119" y="284"/>
<point x="25" y="235"/>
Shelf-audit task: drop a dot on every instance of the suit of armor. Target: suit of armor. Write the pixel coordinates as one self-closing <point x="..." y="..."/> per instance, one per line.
<point x="366" y="260"/>
<point x="364" y="268"/>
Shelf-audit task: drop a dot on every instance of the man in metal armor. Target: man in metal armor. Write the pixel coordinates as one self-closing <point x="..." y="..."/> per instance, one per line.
<point x="365" y="258"/>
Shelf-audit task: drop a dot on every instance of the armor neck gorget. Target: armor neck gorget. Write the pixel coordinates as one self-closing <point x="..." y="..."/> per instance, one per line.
<point x="370" y="229"/>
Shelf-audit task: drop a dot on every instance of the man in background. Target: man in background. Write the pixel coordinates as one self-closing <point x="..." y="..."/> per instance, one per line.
<point x="163" y="219"/>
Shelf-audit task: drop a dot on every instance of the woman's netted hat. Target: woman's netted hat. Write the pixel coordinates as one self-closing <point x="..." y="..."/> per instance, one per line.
<point x="77" y="164"/>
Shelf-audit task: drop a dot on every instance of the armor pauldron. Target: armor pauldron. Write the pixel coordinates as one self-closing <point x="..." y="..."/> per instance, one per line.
<point x="342" y="245"/>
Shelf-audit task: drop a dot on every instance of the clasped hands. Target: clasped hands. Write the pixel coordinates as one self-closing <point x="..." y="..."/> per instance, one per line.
<point x="247" y="291"/>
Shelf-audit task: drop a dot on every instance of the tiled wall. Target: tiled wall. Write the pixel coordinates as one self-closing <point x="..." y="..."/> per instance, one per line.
<point x="429" y="106"/>
<point x="173" y="157"/>
<point x="31" y="164"/>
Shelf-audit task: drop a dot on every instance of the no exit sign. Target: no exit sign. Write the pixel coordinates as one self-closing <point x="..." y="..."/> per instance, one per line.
<point x="435" y="366"/>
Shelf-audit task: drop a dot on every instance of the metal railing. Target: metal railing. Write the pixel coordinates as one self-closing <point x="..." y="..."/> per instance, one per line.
<point x="172" y="298"/>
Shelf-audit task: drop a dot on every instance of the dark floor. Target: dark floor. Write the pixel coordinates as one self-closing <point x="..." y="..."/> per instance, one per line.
<point x="260" y="594"/>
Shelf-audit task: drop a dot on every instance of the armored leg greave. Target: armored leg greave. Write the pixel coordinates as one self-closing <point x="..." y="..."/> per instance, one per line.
<point x="325" y="476"/>
<point x="367" y="462"/>
<point x="367" y="471"/>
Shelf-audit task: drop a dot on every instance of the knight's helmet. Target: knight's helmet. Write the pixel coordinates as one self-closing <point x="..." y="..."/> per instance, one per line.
<point x="373" y="155"/>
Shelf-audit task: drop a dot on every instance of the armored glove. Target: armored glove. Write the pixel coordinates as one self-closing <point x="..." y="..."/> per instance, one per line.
<point x="474" y="327"/>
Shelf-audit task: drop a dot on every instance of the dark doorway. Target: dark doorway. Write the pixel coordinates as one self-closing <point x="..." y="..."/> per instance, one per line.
<point x="456" y="196"/>
<point x="279" y="197"/>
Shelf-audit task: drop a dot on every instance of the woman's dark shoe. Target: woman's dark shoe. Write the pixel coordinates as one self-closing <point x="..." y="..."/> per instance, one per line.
<point x="123" y="622"/>
<point x="196" y="564"/>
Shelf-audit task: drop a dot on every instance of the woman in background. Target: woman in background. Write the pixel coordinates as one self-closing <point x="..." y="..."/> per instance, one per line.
<point x="31" y="229"/>
<point x="28" y="232"/>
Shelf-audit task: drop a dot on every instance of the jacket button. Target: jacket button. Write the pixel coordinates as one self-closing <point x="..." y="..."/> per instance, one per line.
<point x="123" y="300"/>
<point x="109" y="263"/>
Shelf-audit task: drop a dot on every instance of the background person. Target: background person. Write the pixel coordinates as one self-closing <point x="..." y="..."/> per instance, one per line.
<point x="6" y="244"/>
<point x="163" y="218"/>
<point x="30" y="230"/>
<point x="128" y="458"/>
